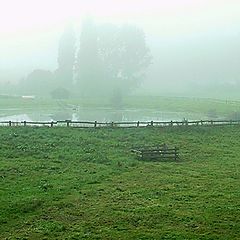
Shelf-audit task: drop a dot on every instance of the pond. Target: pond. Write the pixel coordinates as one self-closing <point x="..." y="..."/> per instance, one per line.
<point x="103" y="115"/>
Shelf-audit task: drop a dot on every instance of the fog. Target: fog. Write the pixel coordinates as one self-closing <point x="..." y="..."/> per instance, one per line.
<point x="195" y="45"/>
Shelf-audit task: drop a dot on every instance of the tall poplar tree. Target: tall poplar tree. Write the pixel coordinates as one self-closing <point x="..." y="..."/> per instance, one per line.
<point x="88" y="65"/>
<point x="66" y="58"/>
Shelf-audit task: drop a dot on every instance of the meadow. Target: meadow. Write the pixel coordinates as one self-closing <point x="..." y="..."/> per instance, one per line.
<point x="71" y="183"/>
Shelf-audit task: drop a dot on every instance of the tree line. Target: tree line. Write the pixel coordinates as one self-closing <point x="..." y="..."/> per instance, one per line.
<point x="106" y="60"/>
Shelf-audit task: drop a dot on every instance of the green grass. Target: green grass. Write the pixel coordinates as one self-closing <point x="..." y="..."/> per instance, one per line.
<point x="59" y="183"/>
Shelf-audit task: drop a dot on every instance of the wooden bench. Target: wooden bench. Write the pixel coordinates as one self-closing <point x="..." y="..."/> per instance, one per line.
<point x="162" y="152"/>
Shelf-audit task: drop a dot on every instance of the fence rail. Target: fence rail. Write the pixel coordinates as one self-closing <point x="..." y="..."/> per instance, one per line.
<point x="136" y="124"/>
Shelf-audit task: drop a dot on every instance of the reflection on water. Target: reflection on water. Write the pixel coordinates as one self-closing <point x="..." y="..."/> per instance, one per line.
<point x="16" y="118"/>
<point x="105" y="115"/>
<point x="58" y="116"/>
<point x="109" y="115"/>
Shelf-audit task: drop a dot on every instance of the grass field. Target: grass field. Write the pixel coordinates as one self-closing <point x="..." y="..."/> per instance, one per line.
<point x="59" y="183"/>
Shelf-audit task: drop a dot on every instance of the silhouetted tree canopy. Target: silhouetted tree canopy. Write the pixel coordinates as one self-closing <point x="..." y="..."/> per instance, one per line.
<point x="111" y="59"/>
<point x="88" y="65"/>
<point x="39" y="82"/>
<point x="124" y="54"/>
<point x="66" y="57"/>
<point x="111" y="62"/>
<point x="60" y="93"/>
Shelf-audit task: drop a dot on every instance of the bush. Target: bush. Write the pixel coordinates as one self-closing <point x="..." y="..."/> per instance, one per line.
<point x="60" y="93"/>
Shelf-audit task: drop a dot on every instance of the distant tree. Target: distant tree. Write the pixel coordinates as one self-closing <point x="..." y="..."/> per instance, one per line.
<point x="112" y="60"/>
<point x="66" y="58"/>
<point x="60" y="93"/>
<point x="124" y="54"/>
<point x="38" y="82"/>
<point x="88" y="65"/>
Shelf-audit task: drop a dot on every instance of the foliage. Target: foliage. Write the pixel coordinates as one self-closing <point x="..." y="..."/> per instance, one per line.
<point x="111" y="58"/>
<point x="60" y="93"/>
<point x="85" y="183"/>
<point x="88" y="65"/>
<point x="38" y="82"/>
<point x="66" y="58"/>
<point x="124" y="55"/>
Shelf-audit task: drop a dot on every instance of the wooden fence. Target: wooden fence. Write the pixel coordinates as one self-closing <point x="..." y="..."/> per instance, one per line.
<point x="95" y="124"/>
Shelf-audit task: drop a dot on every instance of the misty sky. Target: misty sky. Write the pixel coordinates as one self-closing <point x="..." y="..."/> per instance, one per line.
<point x="192" y="39"/>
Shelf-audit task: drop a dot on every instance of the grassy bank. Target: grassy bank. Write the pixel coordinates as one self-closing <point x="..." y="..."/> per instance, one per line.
<point x="58" y="183"/>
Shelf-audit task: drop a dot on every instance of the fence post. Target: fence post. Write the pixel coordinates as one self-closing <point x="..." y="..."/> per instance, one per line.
<point x="10" y="123"/>
<point x="68" y="122"/>
<point x="25" y="123"/>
